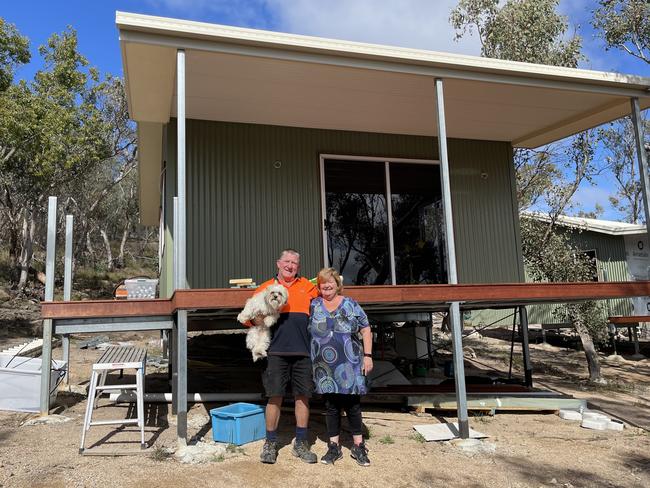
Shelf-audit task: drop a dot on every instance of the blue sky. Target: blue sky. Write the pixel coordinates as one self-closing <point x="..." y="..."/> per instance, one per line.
<point x="411" y="23"/>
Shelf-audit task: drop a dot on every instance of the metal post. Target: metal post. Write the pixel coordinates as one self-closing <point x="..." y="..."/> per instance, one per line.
<point x="181" y="368"/>
<point x="525" y="350"/>
<point x="175" y="280"/>
<point x="179" y="244"/>
<point x="173" y="358"/>
<point x="180" y="231"/>
<point x="454" y="308"/>
<point x="429" y="339"/>
<point x="46" y="359"/>
<point x="67" y="289"/>
<point x="389" y="209"/>
<point x="67" y="268"/>
<point x="642" y="157"/>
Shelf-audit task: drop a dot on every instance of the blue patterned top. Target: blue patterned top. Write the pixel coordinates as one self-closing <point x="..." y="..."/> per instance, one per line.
<point x="336" y="347"/>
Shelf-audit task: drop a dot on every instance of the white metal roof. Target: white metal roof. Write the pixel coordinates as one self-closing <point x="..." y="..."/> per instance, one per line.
<point x="254" y="76"/>
<point x="594" y="225"/>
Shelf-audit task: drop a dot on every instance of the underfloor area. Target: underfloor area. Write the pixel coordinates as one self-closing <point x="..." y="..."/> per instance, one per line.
<point x="521" y="450"/>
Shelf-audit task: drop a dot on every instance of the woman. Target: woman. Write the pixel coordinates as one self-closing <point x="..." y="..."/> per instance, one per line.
<point x="341" y="362"/>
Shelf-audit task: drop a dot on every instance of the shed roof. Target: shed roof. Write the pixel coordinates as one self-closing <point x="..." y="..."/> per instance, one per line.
<point x="610" y="227"/>
<point x="254" y="76"/>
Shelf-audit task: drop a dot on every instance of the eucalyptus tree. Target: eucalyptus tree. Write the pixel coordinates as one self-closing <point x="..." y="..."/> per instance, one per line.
<point x="533" y="31"/>
<point x="55" y="133"/>
<point x="624" y="25"/>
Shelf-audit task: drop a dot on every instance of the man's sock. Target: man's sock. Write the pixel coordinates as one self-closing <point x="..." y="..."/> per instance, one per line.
<point x="272" y="435"/>
<point x="301" y="433"/>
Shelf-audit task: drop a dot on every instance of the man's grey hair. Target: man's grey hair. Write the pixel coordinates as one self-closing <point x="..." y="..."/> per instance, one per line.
<point x="289" y="251"/>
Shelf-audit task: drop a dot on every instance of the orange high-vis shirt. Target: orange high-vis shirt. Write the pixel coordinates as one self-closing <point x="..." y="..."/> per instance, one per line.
<point x="290" y="335"/>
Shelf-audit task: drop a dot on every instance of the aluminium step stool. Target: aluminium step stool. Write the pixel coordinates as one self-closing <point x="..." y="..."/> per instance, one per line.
<point x="114" y="358"/>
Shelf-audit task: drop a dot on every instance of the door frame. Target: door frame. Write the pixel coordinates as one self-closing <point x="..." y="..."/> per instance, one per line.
<point x="388" y="195"/>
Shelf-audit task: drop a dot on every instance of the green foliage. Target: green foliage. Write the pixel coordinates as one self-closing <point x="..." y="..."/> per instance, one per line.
<point x="549" y="255"/>
<point x="14" y="51"/>
<point x="417" y="437"/>
<point x="160" y="453"/>
<point x="619" y="143"/>
<point x="530" y="31"/>
<point x="387" y="439"/>
<point x="624" y="25"/>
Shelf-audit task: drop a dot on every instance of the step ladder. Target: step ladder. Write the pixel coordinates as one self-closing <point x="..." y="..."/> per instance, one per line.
<point x="116" y="358"/>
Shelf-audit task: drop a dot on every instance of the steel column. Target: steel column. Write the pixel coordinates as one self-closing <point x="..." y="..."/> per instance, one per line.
<point x="181" y="375"/>
<point x="67" y="289"/>
<point x="180" y="245"/>
<point x="454" y="308"/>
<point x="642" y="158"/>
<point x="525" y="350"/>
<point x="179" y="233"/>
<point x="46" y="359"/>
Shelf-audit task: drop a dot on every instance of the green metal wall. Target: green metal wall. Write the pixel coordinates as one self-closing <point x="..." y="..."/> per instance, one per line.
<point x="242" y="210"/>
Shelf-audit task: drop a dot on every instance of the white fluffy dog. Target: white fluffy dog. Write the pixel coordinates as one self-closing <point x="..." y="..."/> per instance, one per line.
<point x="263" y="310"/>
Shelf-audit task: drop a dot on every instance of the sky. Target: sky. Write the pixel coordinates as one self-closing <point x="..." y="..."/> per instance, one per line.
<point x="422" y="24"/>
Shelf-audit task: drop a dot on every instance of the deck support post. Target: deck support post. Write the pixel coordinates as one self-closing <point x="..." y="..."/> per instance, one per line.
<point x="67" y="289"/>
<point x="525" y="349"/>
<point x="454" y="307"/>
<point x="642" y="157"/>
<point x="180" y="277"/>
<point x="181" y="376"/>
<point x="46" y="358"/>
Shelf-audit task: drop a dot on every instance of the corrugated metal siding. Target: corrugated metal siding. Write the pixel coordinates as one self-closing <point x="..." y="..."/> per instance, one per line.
<point x="242" y="211"/>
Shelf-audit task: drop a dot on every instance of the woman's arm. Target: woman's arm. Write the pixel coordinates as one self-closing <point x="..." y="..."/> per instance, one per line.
<point x="366" y="336"/>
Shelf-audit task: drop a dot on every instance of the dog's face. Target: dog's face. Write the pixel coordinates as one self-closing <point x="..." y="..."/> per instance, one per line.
<point x="276" y="296"/>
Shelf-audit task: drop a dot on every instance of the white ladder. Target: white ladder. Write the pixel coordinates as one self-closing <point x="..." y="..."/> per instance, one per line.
<point x="114" y="358"/>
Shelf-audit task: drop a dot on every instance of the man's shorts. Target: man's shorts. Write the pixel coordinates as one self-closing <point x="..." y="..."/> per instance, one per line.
<point x="284" y="370"/>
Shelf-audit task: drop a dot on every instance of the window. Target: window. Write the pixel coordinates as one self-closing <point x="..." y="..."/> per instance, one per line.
<point x="383" y="220"/>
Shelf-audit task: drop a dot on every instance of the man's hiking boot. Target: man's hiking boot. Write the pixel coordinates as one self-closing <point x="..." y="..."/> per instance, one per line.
<point x="333" y="453"/>
<point x="269" y="452"/>
<point x="360" y="455"/>
<point x="301" y="450"/>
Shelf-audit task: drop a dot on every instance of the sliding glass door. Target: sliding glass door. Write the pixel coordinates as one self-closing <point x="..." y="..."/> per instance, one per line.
<point x="383" y="221"/>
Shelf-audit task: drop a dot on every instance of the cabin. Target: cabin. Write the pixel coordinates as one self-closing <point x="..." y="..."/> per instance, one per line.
<point x="393" y="165"/>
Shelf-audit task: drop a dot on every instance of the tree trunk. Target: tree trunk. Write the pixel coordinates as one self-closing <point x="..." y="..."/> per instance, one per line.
<point x="119" y="262"/>
<point x="89" y="248"/>
<point x="593" y="362"/>
<point x="29" y="226"/>
<point x="109" y="253"/>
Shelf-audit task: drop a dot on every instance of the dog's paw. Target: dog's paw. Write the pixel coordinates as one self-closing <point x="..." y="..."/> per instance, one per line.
<point x="269" y="320"/>
<point x="242" y="318"/>
<point x="258" y="354"/>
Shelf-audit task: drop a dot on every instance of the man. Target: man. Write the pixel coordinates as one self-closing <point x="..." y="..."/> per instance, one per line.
<point x="289" y="359"/>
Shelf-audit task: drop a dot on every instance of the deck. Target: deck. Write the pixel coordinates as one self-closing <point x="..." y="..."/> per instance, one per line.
<point x="228" y="302"/>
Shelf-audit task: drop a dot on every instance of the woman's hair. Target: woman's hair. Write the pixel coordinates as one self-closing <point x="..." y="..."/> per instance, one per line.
<point x="326" y="273"/>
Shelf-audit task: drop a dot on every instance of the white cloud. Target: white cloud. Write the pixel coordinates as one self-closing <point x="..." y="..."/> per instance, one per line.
<point x="419" y="24"/>
<point x="422" y="24"/>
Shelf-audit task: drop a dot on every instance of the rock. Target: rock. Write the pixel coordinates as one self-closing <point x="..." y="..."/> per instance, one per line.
<point x="474" y="446"/>
<point x="201" y="452"/>
<point x="77" y="389"/>
<point x="47" y="420"/>
<point x="4" y="296"/>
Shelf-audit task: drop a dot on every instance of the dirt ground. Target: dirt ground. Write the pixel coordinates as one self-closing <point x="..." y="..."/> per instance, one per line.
<point x="522" y="450"/>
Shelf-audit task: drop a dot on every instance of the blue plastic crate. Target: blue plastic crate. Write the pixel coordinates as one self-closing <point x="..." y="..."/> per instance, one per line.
<point x="238" y="423"/>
